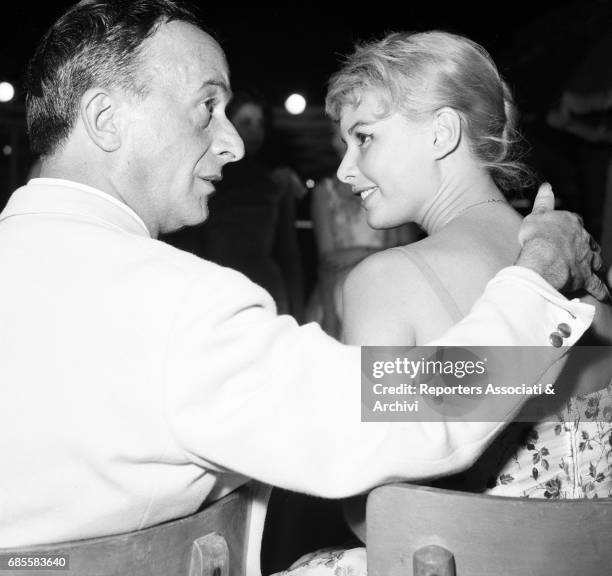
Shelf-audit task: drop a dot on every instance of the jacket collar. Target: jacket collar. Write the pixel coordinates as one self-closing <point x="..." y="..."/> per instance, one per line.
<point x="56" y="196"/>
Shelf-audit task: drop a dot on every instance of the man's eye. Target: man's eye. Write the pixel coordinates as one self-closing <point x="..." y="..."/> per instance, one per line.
<point x="210" y="104"/>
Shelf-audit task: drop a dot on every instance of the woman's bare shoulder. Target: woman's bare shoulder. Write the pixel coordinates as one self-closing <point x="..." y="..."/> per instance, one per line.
<point x="381" y="299"/>
<point x="386" y="269"/>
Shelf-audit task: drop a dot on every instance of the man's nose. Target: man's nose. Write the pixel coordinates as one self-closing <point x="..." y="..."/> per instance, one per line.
<point x="229" y="146"/>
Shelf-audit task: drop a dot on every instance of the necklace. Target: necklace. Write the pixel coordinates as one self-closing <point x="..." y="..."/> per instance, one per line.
<point x="488" y="201"/>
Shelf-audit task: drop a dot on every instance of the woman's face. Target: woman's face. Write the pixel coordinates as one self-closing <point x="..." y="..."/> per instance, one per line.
<point x="388" y="161"/>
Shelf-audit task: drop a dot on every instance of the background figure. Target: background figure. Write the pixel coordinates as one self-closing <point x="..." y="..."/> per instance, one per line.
<point x="251" y="224"/>
<point x="344" y="238"/>
<point x="584" y="111"/>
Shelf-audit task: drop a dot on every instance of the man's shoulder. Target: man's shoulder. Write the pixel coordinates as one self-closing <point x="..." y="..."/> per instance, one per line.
<point x="201" y="285"/>
<point x="167" y="259"/>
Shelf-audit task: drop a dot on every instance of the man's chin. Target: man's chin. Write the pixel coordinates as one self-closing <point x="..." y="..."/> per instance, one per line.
<point x="189" y="222"/>
<point x="201" y="219"/>
<point x="203" y="212"/>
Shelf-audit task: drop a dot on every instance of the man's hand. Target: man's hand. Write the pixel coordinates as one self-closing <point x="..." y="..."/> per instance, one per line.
<point x="557" y="247"/>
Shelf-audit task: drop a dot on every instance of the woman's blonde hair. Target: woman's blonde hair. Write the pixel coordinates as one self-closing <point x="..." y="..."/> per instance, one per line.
<point x="417" y="73"/>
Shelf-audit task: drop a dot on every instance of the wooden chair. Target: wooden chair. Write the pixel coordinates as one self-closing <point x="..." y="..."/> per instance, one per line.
<point x="212" y="542"/>
<point x="422" y="531"/>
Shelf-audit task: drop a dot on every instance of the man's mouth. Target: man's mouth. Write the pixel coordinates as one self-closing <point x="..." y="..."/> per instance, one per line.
<point x="211" y="179"/>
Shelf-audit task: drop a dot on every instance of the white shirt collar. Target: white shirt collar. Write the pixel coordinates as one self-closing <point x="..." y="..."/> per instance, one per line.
<point x="54" y="195"/>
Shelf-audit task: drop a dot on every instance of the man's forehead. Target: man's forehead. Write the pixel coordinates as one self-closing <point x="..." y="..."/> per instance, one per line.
<point x="188" y="54"/>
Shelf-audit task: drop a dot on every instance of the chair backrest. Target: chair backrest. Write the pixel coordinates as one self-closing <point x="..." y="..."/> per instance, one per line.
<point x="428" y="531"/>
<point x="209" y="543"/>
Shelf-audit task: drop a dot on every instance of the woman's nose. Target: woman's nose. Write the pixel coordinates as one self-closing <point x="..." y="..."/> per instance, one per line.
<point x="346" y="170"/>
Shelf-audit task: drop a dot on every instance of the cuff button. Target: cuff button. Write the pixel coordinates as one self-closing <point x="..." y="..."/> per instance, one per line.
<point x="565" y="330"/>
<point x="556" y="339"/>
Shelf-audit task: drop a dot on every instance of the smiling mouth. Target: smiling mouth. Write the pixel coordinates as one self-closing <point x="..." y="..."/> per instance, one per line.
<point x="364" y="192"/>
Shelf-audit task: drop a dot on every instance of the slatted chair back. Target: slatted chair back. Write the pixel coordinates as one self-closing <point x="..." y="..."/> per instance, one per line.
<point x="209" y="543"/>
<point x="423" y="531"/>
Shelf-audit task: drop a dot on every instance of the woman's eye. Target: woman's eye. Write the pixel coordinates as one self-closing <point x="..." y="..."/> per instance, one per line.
<point x="363" y="138"/>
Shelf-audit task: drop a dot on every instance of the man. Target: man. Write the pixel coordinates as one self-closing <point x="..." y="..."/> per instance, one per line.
<point x="139" y="380"/>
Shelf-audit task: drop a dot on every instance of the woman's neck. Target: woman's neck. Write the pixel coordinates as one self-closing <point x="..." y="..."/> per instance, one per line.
<point x="455" y="194"/>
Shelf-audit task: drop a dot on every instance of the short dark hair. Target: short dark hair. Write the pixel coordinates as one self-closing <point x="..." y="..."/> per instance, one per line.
<point x="96" y="42"/>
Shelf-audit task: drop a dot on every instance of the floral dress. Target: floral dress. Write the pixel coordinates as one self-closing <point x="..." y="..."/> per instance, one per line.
<point x="567" y="458"/>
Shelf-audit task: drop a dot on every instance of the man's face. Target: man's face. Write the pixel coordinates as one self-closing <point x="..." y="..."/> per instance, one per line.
<point x="177" y="137"/>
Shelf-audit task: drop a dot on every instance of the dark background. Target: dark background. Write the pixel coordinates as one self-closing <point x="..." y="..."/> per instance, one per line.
<point x="295" y="47"/>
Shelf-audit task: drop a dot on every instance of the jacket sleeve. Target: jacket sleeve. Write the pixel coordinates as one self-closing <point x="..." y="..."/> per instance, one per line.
<point x="254" y="393"/>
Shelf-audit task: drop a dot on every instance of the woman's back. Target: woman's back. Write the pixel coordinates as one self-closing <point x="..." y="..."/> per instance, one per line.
<point x="431" y="284"/>
<point x="455" y="265"/>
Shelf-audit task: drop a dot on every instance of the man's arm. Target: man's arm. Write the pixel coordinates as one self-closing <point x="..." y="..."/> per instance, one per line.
<point x="255" y="394"/>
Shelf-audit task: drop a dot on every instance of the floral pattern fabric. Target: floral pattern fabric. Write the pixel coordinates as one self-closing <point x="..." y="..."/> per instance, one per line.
<point x="329" y="562"/>
<point x="569" y="458"/>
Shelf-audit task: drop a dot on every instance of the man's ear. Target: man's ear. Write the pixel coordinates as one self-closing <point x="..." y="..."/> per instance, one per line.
<point x="447" y="130"/>
<point x="98" y="108"/>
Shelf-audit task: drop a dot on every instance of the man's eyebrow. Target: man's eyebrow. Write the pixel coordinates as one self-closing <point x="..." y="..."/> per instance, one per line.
<point x="220" y="84"/>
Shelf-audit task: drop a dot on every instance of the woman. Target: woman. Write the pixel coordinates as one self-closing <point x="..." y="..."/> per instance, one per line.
<point x="429" y="127"/>
<point x="343" y="239"/>
<point x="430" y="132"/>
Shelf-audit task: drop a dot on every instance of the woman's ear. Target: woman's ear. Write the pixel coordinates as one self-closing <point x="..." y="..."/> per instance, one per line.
<point x="98" y="108"/>
<point x="446" y="131"/>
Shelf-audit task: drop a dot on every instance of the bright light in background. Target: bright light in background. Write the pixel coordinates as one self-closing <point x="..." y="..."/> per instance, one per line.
<point x="6" y="91"/>
<point x="310" y="183"/>
<point x="295" y="104"/>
